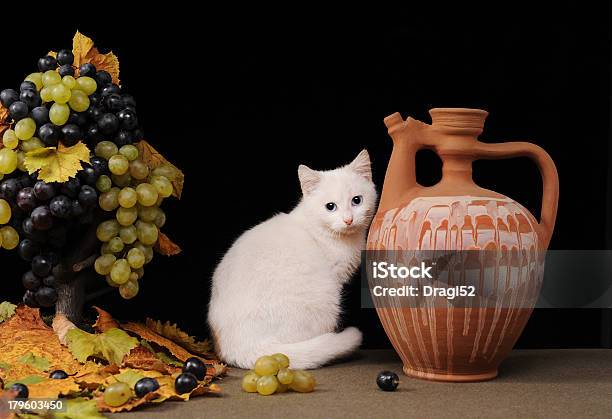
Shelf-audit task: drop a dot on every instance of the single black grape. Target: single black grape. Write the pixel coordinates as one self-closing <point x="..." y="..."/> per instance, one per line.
<point x="66" y="70"/>
<point x="77" y="209"/>
<point x="88" y="196"/>
<point x="113" y="102"/>
<point x="387" y="380"/>
<point x="78" y="118"/>
<point x="88" y="176"/>
<point x="27" y="85"/>
<point x="18" y="110"/>
<point x="8" y="97"/>
<point x="145" y="386"/>
<point x="29" y="299"/>
<point x="99" y="165"/>
<point x="111" y="89"/>
<point x="46" y="296"/>
<point x="28" y="249"/>
<point x="43" y="190"/>
<point x="129" y="100"/>
<point x="87" y="70"/>
<point x="196" y="367"/>
<point x="72" y="134"/>
<point x="26" y="181"/>
<point x="49" y="134"/>
<point x="95" y="112"/>
<point x="71" y="187"/>
<point x="30" y="281"/>
<point x="65" y="56"/>
<point x="27" y="226"/>
<point x="128" y="119"/>
<point x="123" y="137"/>
<point x="26" y="200"/>
<point x="22" y="390"/>
<point x="47" y="63"/>
<point x="30" y="98"/>
<point x="49" y="281"/>
<point x="58" y="375"/>
<point x="42" y="219"/>
<point x="40" y="115"/>
<point x="103" y="79"/>
<point x="9" y="188"/>
<point x="108" y="123"/>
<point x="185" y="383"/>
<point x="61" y="206"/>
<point x="41" y="266"/>
<point x="93" y="133"/>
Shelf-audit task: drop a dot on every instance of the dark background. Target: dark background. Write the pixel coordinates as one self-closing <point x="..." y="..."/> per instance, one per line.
<point x="239" y="99"/>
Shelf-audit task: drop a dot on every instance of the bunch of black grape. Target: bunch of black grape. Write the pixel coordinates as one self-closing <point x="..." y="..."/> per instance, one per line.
<point x="47" y="216"/>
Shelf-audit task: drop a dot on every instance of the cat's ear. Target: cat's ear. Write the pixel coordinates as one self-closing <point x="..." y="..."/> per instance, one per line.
<point x="361" y="165"/>
<point x="309" y="178"/>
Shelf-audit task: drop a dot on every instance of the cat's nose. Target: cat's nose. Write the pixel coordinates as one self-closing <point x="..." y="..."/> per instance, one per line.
<point x="348" y="220"/>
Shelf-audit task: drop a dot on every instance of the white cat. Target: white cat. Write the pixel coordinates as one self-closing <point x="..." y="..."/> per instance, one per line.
<point x="278" y="287"/>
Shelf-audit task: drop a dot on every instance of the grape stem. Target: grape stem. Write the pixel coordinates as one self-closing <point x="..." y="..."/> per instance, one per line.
<point x="84" y="264"/>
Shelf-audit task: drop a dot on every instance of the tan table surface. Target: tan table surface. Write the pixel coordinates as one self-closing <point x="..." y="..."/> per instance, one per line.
<point x="532" y="383"/>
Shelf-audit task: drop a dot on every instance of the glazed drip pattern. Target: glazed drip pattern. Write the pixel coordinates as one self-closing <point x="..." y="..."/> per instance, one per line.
<point x="436" y="338"/>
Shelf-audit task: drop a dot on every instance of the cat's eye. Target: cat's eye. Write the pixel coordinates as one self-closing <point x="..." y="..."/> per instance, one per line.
<point x="357" y="200"/>
<point x="331" y="206"/>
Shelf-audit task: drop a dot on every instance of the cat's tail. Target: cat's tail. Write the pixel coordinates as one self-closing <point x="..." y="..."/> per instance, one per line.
<point x="319" y="350"/>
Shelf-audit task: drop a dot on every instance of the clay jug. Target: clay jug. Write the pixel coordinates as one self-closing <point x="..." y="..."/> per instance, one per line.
<point x="445" y="342"/>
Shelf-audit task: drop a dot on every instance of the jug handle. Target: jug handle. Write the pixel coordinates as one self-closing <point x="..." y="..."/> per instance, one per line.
<point x="548" y="171"/>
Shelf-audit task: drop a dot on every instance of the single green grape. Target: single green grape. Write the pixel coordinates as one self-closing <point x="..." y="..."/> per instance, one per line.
<point x="129" y="289"/>
<point x="104" y="264"/>
<point x="267" y="385"/>
<point x="109" y="201"/>
<point x="249" y="382"/>
<point x="115" y="245"/>
<point x="8" y="161"/>
<point x="59" y="113"/>
<point x="69" y="81"/>
<point x="25" y="129"/>
<point x="104" y="183"/>
<point x="32" y="144"/>
<point x="148" y="214"/>
<point x="117" y="394"/>
<point x="46" y="94"/>
<point x="285" y="376"/>
<point x="166" y="171"/>
<point x="86" y="84"/>
<point x="79" y="101"/>
<point x="139" y="272"/>
<point x="147" y="194"/>
<point x="61" y="93"/>
<point x="120" y="272"/>
<point x="20" y="162"/>
<point x="282" y="388"/>
<point x="51" y="77"/>
<point x="128" y="234"/>
<point x="118" y="164"/>
<point x="160" y="219"/>
<point x="35" y="78"/>
<point x="283" y="360"/>
<point x="10" y="237"/>
<point x="10" y="140"/>
<point x="139" y="170"/>
<point x="147" y="233"/>
<point x="136" y="258"/>
<point x="266" y="365"/>
<point x="107" y="230"/>
<point x="134" y="276"/>
<point x="5" y="212"/>
<point x="129" y="151"/>
<point x="110" y="282"/>
<point x="104" y="250"/>
<point x="303" y="382"/>
<point x="128" y="197"/>
<point x="122" y="181"/>
<point x="127" y="216"/>
<point x="106" y="149"/>
<point x="162" y="185"/>
<point x="147" y="250"/>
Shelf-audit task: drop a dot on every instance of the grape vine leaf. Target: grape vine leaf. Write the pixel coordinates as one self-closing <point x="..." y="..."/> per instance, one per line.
<point x="147" y="334"/>
<point x="57" y="164"/>
<point x="126" y="407"/>
<point x="111" y="345"/>
<point x="166" y="247"/>
<point x="4" y="125"/>
<point x="175" y="334"/>
<point x="81" y="408"/>
<point x="128" y="376"/>
<point x="104" y="321"/>
<point x="39" y="362"/>
<point x="29" y="380"/>
<point x="153" y="159"/>
<point x="6" y="310"/>
<point x="144" y="358"/>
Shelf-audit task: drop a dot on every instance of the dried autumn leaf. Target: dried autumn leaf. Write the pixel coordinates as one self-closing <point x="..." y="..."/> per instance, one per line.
<point x="6" y="310"/>
<point x="104" y="321"/>
<point x="4" y="125"/>
<point x="61" y="325"/>
<point x="166" y="247"/>
<point x="166" y="389"/>
<point x="52" y="389"/>
<point x="57" y="164"/>
<point x="80" y="408"/>
<point x="144" y="358"/>
<point x="128" y="376"/>
<point x="93" y="375"/>
<point x="126" y="407"/>
<point x="149" y="335"/>
<point x="168" y="359"/>
<point x="29" y="380"/>
<point x="175" y="334"/>
<point x="153" y="159"/>
<point x="111" y="345"/>
<point x="37" y="362"/>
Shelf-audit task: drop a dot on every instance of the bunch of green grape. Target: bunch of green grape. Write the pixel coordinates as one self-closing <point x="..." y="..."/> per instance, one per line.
<point x="272" y="375"/>
<point x="133" y="193"/>
<point x="9" y="238"/>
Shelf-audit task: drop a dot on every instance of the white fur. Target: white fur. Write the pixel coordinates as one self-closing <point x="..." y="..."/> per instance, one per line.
<point x="278" y="287"/>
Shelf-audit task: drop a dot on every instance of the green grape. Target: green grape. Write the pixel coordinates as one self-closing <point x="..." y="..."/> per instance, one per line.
<point x="282" y="388"/>
<point x="139" y="272"/>
<point x="123" y="180"/>
<point x="160" y="219"/>
<point x="36" y="78"/>
<point x="160" y="200"/>
<point x="147" y="250"/>
<point x="32" y="144"/>
<point x="136" y="258"/>
<point x="79" y="102"/>
<point x="120" y="272"/>
<point x="166" y="171"/>
<point x="69" y="82"/>
<point x="118" y="164"/>
<point x="104" y="183"/>
<point x="134" y="276"/>
<point x="58" y="114"/>
<point x="129" y="289"/>
<point x="266" y="365"/>
<point x="10" y="140"/>
<point x="115" y="245"/>
<point x="107" y="230"/>
<point x="139" y="170"/>
<point x="104" y="264"/>
<point x="117" y="394"/>
<point x="127" y="216"/>
<point x="109" y="201"/>
<point x="249" y="382"/>
<point x="128" y="197"/>
<point x="128" y="234"/>
<point x="104" y="250"/>
<point x="162" y="185"/>
<point x="20" y="162"/>
<point x="147" y="194"/>
<point x="46" y="94"/>
<point x="129" y="151"/>
<point x="61" y="93"/>
<point x="51" y="77"/>
<point x="147" y="233"/>
<point x="285" y="376"/>
<point x="267" y="385"/>
<point x="148" y="214"/>
<point x="5" y="212"/>
<point x="8" y="161"/>
<point x="303" y="382"/>
<point x="87" y="85"/>
<point x="283" y="360"/>
<point x="106" y="149"/>
<point x="25" y="128"/>
<point x="110" y="282"/>
<point x="10" y="237"/>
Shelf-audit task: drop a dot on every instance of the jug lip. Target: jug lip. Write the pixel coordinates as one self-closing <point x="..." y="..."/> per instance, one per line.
<point x="459" y="118"/>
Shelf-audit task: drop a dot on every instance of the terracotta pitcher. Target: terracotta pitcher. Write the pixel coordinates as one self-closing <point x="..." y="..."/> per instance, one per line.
<point x="445" y="342"/>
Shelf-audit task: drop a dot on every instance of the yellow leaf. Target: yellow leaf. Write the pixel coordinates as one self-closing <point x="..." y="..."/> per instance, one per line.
<point x="153" y="159"/>
<point x="175" y="334"/>
<point x="85" y="52"/>
<point x="57" y="164"/>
